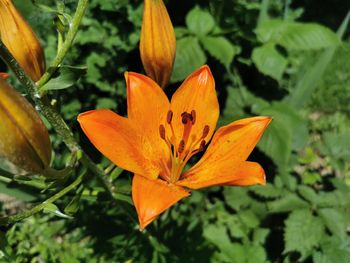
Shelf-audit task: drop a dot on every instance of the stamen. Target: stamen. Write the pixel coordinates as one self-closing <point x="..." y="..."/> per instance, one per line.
<point x="193" y="115"/>
<point x="202" y="146"/>
<point x="181" y="147"/>
<point x="162" y="131"/>
<point x="169" y="116"/>
<point x="205" y="131"/>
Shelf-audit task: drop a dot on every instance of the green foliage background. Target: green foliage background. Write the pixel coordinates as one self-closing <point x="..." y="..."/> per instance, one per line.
<point x="276" y="58"/>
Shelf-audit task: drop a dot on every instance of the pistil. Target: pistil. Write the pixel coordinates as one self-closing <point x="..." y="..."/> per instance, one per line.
<point x="181" y="153"/>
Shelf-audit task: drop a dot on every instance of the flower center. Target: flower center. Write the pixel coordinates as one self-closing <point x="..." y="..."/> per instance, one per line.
<point x="181" y="150"/>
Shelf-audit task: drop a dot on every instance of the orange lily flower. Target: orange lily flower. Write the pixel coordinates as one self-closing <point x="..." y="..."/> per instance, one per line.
<point x="159" y="137"/>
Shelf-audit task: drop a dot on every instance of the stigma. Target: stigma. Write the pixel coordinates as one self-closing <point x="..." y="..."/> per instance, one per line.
<point x="181" y="149"/>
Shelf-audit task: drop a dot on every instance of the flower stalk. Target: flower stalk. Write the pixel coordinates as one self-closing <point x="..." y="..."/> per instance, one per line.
<point x="62" y="52"/>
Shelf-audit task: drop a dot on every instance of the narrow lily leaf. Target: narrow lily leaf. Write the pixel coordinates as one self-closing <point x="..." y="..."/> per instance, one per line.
<point x="65" y="77"/>
<point x="73" y="205"/>
<point x="52" y="208"/>
<point x="20" y="194"/>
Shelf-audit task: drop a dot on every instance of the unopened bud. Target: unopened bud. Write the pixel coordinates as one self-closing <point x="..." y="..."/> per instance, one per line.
<point x="21" y="41"/>
<point x="24" y="139"/>
<point x="157" y="42"/>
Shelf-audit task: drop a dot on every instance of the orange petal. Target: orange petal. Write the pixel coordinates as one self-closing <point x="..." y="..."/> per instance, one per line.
<point x="243" y="174"/>
<point x="147" y="108"/>
<point x="117" y="139"/>
<point x="230" y="147"/>
<point x="152" y="197"/>
<point x="196" y="93"/>
<point x="250" y="173"/>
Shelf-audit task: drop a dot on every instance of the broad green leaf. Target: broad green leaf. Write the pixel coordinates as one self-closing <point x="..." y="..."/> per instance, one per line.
<point x="303" y="232"/>
<point x="287" y="131"/>
<point x="308" y="194"/>
<point x="220" y="48"/>
<point x="305" y="36"/>
<point x="269" y="61"/>
<point x="296" y="36"/>
<point x="218" y="235"/>
<point x="277" y="143"/>
<point x="333" y="250"/>
<point x="288" y="202"/>
<point x="255" y="254"/>
<point x="199" y="21"/>
<point x="260" y="235"/>
<point x="310" y="79"/>
<point x="65" y="77"/>
<point x="236" y="198"/>
<point x="334" y="220"/>
<point x="268" y="191"/>
<point x="189" y="57"/>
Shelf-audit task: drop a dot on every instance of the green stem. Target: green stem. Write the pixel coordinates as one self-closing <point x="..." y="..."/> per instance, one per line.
<point x="79" y="13"/>
<point x="54" y="117"/>
<point x="20" y="216"/>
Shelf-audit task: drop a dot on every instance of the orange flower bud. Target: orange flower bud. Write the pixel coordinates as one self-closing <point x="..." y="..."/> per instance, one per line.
<point x="157" y="42"/>
<point x="24" y="139"/>
<point x="21" y="41"/>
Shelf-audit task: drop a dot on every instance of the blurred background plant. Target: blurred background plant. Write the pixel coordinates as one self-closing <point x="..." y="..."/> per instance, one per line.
<point x="285" y="59"/>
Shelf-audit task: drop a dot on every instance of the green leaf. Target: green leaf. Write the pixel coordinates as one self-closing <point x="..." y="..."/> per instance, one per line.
<point x="269" y="61"/>
<point x="288" y="202"/>
<point x="260" y="235"/>
<point x="287" y="131"/>
<point x="305" y="36"/>
<point x="220" y="48"/>
<point x="334" y="220"/>
<point x="296" y="36"/>
<point x="236" y="198"/>
<point x="267" y="191"/>
<point x="249" y="219"/>
<point x="21" y="194"/>
<point x="308" y="194"/>
<point x="310" y="79"/>
<point x="52" y="208"/>
<point x="73" y="205"/>
<point x="189" y="57"/>
<point x="65" y="77"/>
<point x="199" y="21"/>
<point x="218" y="235"/>
<point x="303" y="232"/>
<point x="333" y="250"/>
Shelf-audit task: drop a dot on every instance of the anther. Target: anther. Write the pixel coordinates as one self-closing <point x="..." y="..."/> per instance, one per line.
<point x="181" y="147"/>
<point x="169" y="117"/>
<point x="162" y="131"/>
<point x="193" y="115"/>
<point x="202" y="146"/>
<point x="205" y="131"/>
